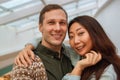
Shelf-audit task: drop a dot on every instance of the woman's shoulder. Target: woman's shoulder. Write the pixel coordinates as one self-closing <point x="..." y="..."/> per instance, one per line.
<point x="109" y="68"/>
<point x="109" y="72"/>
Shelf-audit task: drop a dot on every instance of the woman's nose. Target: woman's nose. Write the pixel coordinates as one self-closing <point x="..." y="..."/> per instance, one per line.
<point x="76" y="40"/>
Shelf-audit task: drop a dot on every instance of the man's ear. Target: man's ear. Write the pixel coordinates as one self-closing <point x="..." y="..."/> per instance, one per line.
<point x="40" y="27"/>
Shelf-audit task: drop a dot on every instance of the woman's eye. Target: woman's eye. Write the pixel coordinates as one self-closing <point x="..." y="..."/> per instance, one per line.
<point x="70" y="37"/>
<point x="80" y="33"/>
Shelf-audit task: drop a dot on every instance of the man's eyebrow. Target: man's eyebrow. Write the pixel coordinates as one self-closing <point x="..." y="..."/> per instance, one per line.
<point x="64" y="20"/>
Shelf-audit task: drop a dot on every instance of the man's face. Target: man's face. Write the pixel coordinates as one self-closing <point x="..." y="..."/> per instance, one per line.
<point x="54" y="28"/>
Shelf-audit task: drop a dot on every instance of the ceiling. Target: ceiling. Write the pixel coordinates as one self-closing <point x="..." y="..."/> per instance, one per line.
<point x="23" y="14"/>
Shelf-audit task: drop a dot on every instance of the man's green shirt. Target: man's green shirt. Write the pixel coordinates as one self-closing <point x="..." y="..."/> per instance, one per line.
<point x="55" y="67"/>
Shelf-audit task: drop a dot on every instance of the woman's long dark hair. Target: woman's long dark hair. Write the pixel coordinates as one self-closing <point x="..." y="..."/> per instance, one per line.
<point x="102" y="44"/>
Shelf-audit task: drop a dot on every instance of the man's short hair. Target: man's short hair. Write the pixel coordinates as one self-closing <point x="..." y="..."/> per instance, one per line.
<point x="48" y="8"/>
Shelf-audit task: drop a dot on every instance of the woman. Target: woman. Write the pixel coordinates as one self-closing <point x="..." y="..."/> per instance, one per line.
<point x="87" y="36"/>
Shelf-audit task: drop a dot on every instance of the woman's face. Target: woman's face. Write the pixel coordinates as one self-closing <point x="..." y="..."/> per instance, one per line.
<point x="80" y="39"/>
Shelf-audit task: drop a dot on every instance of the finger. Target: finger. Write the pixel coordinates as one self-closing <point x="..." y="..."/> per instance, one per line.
<point x="99" y="57"/>
<point x="89" y="57"/>
<point x="26" y="58"/>
<point x="18" y="62"/>
<point x="94" y="52"/>
<point x="23" y="60"/>
<point x="95" y="57"/>
<point x="32" y="55"/>
<point x="15" y="61"/>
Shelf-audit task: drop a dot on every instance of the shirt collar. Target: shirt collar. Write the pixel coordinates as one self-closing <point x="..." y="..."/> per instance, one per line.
<point x="41" y="48"/>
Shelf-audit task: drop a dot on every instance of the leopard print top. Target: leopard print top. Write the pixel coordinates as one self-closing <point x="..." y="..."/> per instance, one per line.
<point x="36" y="71"/>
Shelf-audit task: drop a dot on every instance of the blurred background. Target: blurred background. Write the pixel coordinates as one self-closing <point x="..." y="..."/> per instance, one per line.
<point x="19" y="22"/>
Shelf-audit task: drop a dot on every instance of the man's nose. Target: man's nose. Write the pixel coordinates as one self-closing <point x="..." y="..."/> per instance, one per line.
<point x="58" y="27"/>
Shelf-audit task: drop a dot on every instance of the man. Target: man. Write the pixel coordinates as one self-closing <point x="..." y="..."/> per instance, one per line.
<point x="53" y="26"/>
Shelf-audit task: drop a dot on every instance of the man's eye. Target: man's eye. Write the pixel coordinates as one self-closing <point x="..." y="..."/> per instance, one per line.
<point x="51" y="22"/>
<point x="63" y="23"/>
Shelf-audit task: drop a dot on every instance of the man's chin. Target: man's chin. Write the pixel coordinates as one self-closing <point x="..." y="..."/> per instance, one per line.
<point x="57" y="43"/>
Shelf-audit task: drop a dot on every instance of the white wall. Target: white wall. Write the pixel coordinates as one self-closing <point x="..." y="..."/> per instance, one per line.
<point x="10" y="41"/>
<point x="109" y="17"/>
